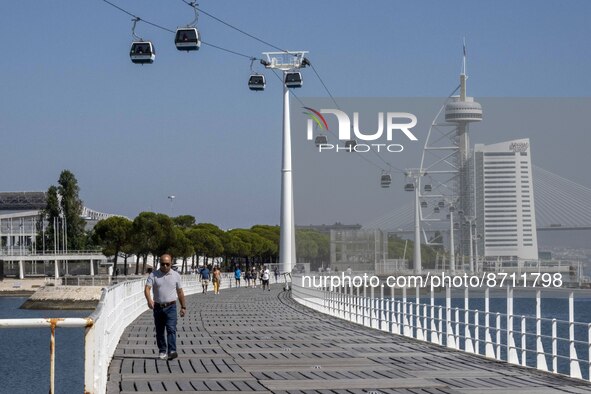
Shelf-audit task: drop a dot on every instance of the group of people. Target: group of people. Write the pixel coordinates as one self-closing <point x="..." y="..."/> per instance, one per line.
<point x="166" y="286"/>
<point x="214" y="274"/>
<point x="250" y="276"/>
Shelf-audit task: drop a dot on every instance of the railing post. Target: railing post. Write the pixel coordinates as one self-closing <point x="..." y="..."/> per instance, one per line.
<point x="498" y="332"/>
<point x="511" y="350"/>
<point x="523" y="343"/>
<point x="450" y="339"/>
<point x="434" y="333"/>
<point x="468" y="345"/>
<point x="406" y="328"/>
<point x="476" y="332"/>
<point x="382" y="313"/>
<point x="554" y="348"/>
<point x="488" y="345"/>
<point x="420" y="335"/>
<point x="357" y="306"/>
<point x="575" y="369"/>
<point x="540" y="355"/>
<point x="393" y="320"/>
<point x="458" y="329"/>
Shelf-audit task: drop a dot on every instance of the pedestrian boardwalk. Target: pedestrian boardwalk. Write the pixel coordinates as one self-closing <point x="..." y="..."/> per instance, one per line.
<point x="256" y="341"/>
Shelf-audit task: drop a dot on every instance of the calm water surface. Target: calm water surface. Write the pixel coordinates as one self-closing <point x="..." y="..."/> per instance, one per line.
<point x="24" y="353"/>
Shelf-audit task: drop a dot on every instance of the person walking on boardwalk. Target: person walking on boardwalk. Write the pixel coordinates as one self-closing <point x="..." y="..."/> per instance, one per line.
<point x="205" y="274"/>
<point x="265" y="277"/>
<point x="216" y="279"/>
<point x="237" y="274"/>
<point x="167" y="287"/>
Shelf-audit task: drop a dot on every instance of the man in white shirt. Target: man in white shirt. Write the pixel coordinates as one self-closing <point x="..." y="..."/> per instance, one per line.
<point x="167" y="287"/>
<point x="266" y="275"/>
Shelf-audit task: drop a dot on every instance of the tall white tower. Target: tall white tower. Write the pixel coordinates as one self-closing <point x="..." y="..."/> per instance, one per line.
<point x="463" y="110"/>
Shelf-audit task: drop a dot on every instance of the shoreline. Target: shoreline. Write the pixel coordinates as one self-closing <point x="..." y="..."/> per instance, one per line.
<point x="41" y="295"/>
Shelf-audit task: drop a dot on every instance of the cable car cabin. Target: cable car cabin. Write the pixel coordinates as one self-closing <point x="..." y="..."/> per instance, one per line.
<point x="441" y="204"/>
<point x="409" y="187"/>
<point x="321" y="140"/>
<point x="294" y="80"/>
<point x="457" y="226"/>
<point x="423" y="204"/>
<point x="448" y="216"/>
<point x="142" y="52"/>
<point x="187" y="39"/>
<point x="385" y="180"/>
<point x="350" y="145"/>
<point x="451" y="208"/>
<point x="256" y="82"/>
<point x="428" y="188"/>
<point x="436" y="209"/>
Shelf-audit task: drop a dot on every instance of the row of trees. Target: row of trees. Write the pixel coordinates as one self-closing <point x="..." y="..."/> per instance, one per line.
<point x="155" y="234"/>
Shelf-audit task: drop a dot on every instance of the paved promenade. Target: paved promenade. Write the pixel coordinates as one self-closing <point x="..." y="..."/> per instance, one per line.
<point x="252" y="341"/>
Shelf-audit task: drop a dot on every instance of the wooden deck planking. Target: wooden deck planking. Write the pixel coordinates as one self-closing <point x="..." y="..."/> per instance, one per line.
<point x="247" y="340"/>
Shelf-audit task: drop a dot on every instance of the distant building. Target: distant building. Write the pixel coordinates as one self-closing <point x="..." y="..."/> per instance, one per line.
<point x="504" y="200"/>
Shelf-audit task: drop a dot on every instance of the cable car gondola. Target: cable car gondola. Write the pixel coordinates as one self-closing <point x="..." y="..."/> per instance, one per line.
<point x="441" y="204"/>
<point x="428" y="188"/>
<point x="187" y="39"/>
<point x="321" y="140"/>
<point x="256" y="82"/>
<point x="409" y="187"/>
<point x="293" y="80"/>
<point x="436" y="209"/>
<point x="423" y="204"/>
<point x="142" y="52"/>
<point x="451" y="208"/>
<point x="385" y="180"/>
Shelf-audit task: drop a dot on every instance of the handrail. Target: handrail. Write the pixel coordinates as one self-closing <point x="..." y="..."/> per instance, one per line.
<point x="119" y="305"/>
<point x="514" y="338"/>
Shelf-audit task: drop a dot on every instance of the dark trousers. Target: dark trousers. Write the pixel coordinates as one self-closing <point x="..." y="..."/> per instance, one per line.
<point x="165" y="318"/>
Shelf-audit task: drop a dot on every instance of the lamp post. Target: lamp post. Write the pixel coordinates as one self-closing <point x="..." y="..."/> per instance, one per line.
<point x="171" y="198"/>
<point x="286" y="62"/>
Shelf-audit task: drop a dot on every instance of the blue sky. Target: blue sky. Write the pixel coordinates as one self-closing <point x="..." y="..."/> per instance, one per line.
<point x="187" y="125"/>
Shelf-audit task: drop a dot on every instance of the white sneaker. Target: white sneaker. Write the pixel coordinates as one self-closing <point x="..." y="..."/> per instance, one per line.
<point x="163" y="356"/>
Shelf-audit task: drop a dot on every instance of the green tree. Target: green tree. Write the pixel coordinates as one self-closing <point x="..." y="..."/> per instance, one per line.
<point x="114" y="236"/>
<point x="182" y="247"/>
<point x="71" y="207"/>
<point x="184" y="221"/>
<point x="146" y="233"/>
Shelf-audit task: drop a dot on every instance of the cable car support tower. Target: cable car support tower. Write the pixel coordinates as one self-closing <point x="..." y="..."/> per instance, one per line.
<point x="289" y="62"/>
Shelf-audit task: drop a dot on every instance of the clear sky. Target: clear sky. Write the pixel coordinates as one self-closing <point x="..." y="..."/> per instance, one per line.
<point x="188" y="126"/>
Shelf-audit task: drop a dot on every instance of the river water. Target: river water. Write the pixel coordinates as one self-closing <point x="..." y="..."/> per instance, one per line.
<point x="24" y="353"/>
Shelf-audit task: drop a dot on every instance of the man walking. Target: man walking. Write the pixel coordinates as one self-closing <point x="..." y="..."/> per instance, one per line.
<point x="265" y="276"/>
<point x="167" y="287"/>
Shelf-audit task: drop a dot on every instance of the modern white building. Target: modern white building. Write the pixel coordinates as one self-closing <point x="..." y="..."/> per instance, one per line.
<point x="504" y="200"/>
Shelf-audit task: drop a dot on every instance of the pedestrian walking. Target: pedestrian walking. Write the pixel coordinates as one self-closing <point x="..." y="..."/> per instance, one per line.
<point x="237" y="274"/>
<point x="276" y="272"/>
<point x="265" y="276"/>
<point x="167" y="287"/>
<point x="216" y="279"/>
<point x="205" y="274"/>
<point x="253" y="276"/>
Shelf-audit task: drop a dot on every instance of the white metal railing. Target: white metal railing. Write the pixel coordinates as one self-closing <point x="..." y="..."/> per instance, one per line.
<point x="531" y="340"/>
<point x="119" y="306"/>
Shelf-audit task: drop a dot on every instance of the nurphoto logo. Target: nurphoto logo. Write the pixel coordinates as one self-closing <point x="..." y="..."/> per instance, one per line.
<point x="356" y="140"/>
